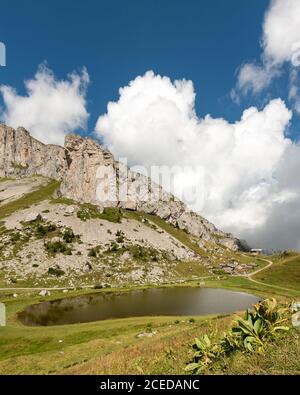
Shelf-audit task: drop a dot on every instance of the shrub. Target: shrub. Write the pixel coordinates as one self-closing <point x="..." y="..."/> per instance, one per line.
<point x="259" y="326"/>
<point x="42" y="229"/>
<point x="69" y="236"/>
<point x="143" y="253"/>
<point x="16" y="237"/>
<point x="249" y="334"/>
<point x="120" y="236"/>
<point x="55" y="271"/>
<point x="149" y="327"/>
<point x="205" y="354"/>
<point x="94" y="251"/>
<point x="54" y="247"/>
<point x="113" y="247"/>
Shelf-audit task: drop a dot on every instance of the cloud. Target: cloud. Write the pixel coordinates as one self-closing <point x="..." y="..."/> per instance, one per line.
<point x="51" y="108"/>
<point x="280" y="44"/>
<point x="253" y="78"/>
<point x="281" y="30"/>
<point x="248" y="168"/>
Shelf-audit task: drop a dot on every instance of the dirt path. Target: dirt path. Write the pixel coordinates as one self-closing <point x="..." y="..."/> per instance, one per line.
<point x="270" y="263"/>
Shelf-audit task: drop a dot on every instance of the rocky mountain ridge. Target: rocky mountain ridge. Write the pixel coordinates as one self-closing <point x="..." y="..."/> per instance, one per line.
<point x="77" y="165"/>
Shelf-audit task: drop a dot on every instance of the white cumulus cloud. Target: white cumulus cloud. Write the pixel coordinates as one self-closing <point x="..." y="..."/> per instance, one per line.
<point x="248" y="168"/>
<point x="51" y="108"/>
<point x="280" y="45"/>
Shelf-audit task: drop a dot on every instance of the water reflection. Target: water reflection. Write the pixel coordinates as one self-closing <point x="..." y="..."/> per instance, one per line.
<point x="149" y="302"/>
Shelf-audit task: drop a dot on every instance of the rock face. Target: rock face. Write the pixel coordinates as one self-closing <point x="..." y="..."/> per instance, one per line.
<point x="22" y="155"/>
<point x="90" y="174"/>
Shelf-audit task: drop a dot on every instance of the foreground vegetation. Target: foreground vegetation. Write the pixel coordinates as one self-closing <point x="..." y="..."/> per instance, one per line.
<point x="251" y="334"/>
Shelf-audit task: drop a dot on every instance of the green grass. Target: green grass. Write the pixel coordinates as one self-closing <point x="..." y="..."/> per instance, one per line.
<point x="245" y="285"/>
<point x="188" y="269"/>
<point x="63" y="200"/>
<point x="285" y="273"/>
<point x="30" y="199"/>
<point x="2" y="179"/>
<point x="280" y="358"/>
<point x="90" y="211"/>
<point x="99" y="347"/>
<point x="53" y="349"/>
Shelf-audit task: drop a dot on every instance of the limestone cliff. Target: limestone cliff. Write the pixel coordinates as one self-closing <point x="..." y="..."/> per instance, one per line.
<point x="22" y="155"/>
<point x="77" y="166"/>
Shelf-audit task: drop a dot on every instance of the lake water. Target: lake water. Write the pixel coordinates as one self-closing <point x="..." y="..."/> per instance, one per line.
<point x="178" y="301"/>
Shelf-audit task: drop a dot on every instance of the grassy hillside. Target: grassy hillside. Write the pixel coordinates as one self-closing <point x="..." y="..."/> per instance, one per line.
<point x="30" y="199"/>
<point x="283" y="273"/>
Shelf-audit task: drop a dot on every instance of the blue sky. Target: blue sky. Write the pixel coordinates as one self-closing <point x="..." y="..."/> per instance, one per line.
<point x="202" y="40"/>
<point x="249" y="159"/>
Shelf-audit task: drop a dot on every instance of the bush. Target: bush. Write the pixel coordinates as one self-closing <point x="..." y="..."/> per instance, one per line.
<point x="42" y="229"/>
<point x="259" y="326"/>
<point x="120" y="236"/>
<point x="249" y="334"/>
<point x="113" y="247"/>
<point x="205" y="353"/>
<point x="55" y="271"/>
<point x="54" y="247"/>
<point x="149" y="327"/>
<point x="143" y="253"/>
<point x="16" y="237"/>
<point x="94" y="251"/>
<point x="68" y="235"/>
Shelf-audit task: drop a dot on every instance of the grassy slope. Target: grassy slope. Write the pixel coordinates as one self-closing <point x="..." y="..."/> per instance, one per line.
<point x="99" y="347"/>
<point x="30" y="199"/>
<point x="281" y="357"/>
<point x="285" y="273"/>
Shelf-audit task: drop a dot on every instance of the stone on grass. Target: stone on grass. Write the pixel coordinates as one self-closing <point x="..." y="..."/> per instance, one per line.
<point x="44" y="292"/>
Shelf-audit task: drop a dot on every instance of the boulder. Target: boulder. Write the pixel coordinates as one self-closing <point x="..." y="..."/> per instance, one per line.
<point x="44" y="292"/>
<point x="33" y="216"/>
<point x="70" y="210"/>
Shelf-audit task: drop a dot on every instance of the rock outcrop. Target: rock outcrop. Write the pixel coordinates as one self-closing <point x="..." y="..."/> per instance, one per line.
<point x="90" y="174"/>
<point x="23" y="155"/>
